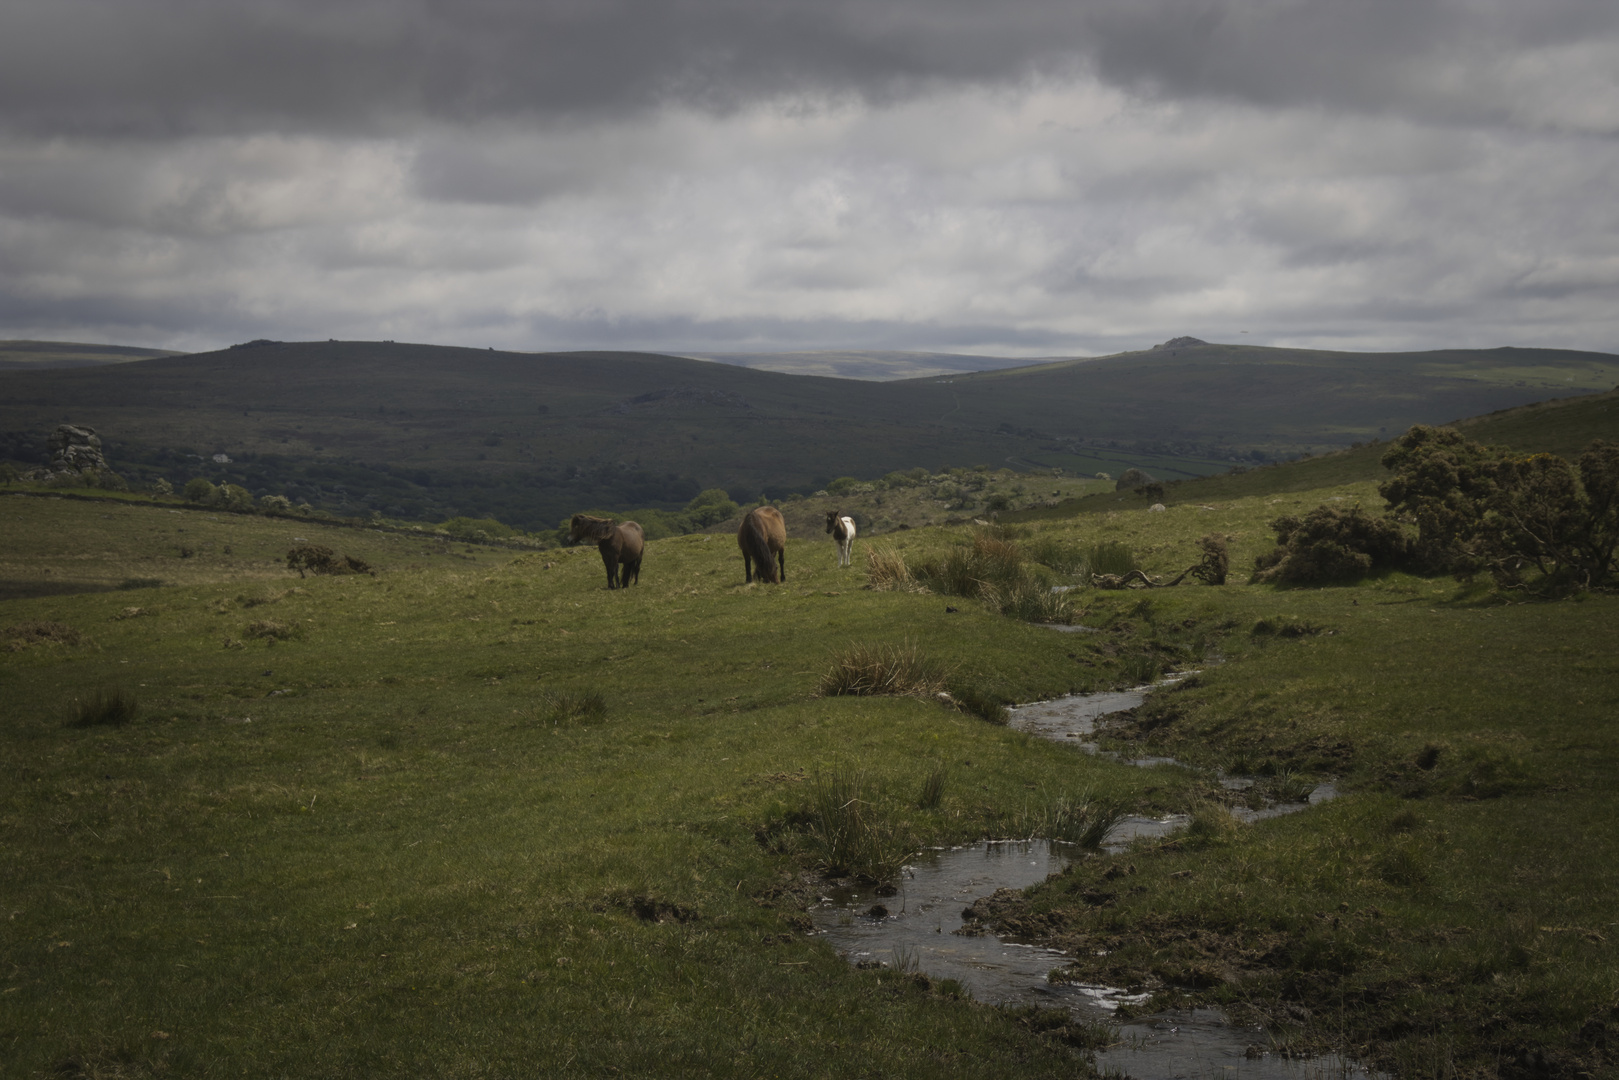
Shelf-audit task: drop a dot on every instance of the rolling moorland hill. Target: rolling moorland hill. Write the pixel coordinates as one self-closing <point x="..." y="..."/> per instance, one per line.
<point x="874" y="365"/>
<point x="430" y="432"/>
<point x="1562" y="426"/>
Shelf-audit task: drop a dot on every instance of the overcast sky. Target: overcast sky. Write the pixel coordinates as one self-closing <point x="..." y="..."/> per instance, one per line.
<point x="1022" y="177"/>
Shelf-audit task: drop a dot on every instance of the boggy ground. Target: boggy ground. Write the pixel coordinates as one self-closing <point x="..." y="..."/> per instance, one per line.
<point x="358" y="827"/>
<point x="1453" y="912"/>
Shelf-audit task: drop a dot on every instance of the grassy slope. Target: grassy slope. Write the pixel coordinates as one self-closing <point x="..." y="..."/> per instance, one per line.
<point x="394" y="865"/>
<point x="530" y="438"/>
<point x="36" y="355"/>
<point x="1563" y="426"/>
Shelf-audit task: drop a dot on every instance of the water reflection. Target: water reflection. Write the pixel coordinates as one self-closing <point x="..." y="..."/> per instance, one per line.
<point x="916" y="929"/>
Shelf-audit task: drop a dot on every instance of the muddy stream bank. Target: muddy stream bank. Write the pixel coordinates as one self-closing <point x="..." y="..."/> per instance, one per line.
<point x="919" y="929"/>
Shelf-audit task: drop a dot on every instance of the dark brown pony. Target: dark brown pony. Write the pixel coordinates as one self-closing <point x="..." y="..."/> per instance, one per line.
<point x="620" y="545"/>
<point x="763" y="540"/>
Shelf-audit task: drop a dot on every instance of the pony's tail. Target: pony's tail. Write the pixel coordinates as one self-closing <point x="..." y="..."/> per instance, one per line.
<point x="758" y="549"/>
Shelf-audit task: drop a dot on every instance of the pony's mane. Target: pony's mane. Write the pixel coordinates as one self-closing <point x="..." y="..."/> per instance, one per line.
<point x="585" y="527"/>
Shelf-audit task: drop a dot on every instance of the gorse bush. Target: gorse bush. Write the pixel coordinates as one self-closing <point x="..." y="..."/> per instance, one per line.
<point x="1329" y="545"/>
<point x="318" y="559"/>
<point x="1215" y="562"/>
<point x="892" y="670"/>
<point x="1536" y="520"/>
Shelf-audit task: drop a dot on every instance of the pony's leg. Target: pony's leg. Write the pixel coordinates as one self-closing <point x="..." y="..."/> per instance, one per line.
<point x="781" y="558"/>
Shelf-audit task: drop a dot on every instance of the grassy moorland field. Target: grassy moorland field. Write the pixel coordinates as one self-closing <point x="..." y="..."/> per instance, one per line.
<point x="476" y="815"/>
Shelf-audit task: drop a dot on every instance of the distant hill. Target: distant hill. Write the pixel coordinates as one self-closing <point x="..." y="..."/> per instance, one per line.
<point x="870" y="366"/>
<point x="1563" y="426"/>
<point x="427" y="431"/>
<point x="38" y="355"/>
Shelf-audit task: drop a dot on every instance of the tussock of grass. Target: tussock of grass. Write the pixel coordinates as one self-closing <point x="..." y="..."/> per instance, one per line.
<point x="979" y="703"/>
<point x="993" y="570"/>
<point x="565" y="707"/>
<point x="269" y="630"/>
<point x="932" y="793"/>
<point x="886" y="571"/>
<point x="105" y="708"/>
<point x="1111" y="557"/>
<point x="1080" y="820"/>
<point x="849" y="833"/>
<point x="1063" y="556"/>
<point x="891" y="670"/>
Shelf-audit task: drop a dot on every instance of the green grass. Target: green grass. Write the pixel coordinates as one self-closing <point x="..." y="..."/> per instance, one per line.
<point x="480" y="816"/>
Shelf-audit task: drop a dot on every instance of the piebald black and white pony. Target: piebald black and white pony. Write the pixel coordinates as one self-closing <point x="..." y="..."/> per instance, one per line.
<point x="841" y="526"/>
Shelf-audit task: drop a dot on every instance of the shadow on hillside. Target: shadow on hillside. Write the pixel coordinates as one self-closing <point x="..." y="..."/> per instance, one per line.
<point x="32" y="588"/>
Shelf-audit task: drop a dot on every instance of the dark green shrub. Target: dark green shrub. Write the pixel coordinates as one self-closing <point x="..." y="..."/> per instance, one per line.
<point x="200" y="491"/>
<point x="1477" y="509"/>
<point x="317" y="559"/>
<point x="1330" y="545"/>
<point x="932" y="793"/>
<point x="1215" y="563"/>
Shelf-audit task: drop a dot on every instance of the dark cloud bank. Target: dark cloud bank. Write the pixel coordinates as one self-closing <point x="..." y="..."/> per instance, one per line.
<point x="1026" y="176"/>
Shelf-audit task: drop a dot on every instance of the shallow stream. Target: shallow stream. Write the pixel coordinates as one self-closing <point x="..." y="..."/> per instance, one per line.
<point x="915" y="930"/>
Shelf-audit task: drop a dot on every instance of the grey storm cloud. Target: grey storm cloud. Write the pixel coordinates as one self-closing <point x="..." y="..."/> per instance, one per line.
<point x="170" y="67"/>
<point x="1031" y="176"/>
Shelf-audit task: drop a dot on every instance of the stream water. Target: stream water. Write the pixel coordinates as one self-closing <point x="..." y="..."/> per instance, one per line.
<point x="915" y="930"/>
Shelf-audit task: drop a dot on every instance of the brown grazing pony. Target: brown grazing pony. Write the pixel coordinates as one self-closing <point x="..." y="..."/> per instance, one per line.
<point x="620" y="545"/>
<point x="763" y="534"/>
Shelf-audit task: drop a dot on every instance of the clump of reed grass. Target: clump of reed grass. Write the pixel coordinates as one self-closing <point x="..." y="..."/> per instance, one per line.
<point x="270" y="630"/>
<point x="1110" y="557"/>
<point x="1140" y="669"/>
<point x="1289" y="786"/>
<point x="979" y="703"/>
<point x="566" y="707"/>
<point x="1062" y="556"/>
<point x="1210" y="823"/>
<point x="882" y="670"/>
<point x="932" y="794"/>
<point x="1080" y="820"/>
<point x="886" y="571"/>
<point x="105" y="708"/>
<point x="850" y="834"/>
<point x="993" y="570"/>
